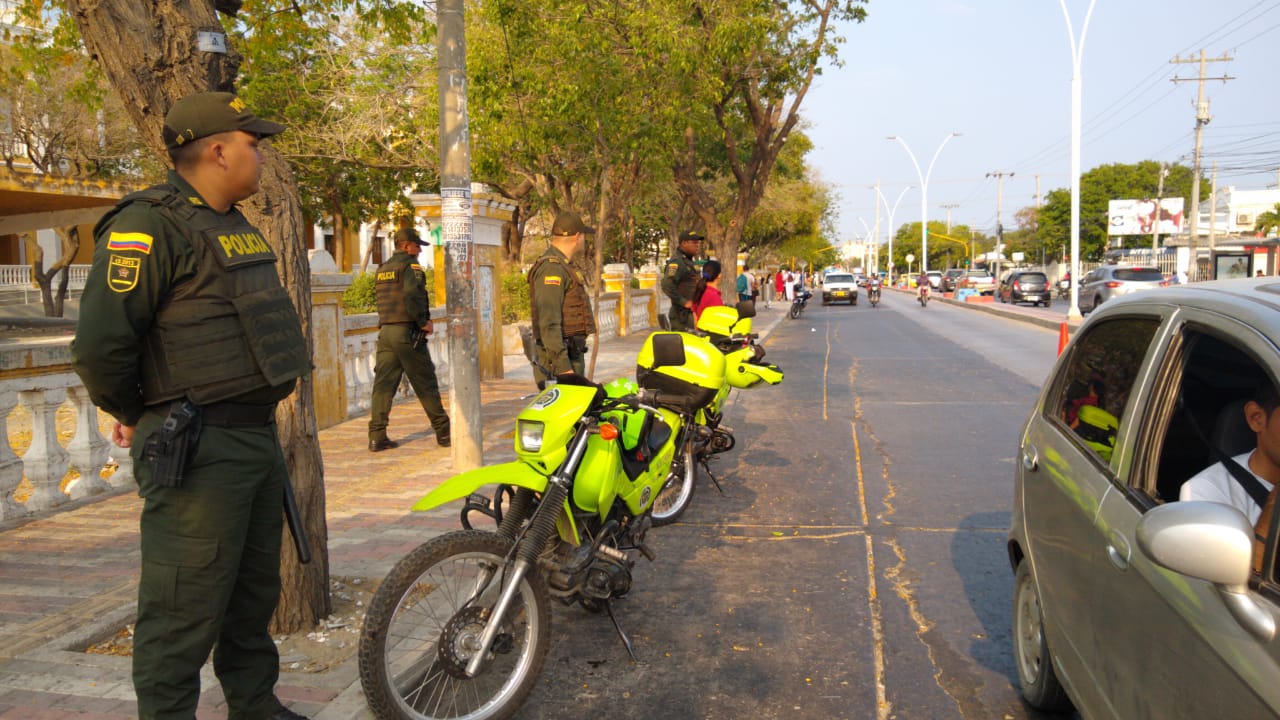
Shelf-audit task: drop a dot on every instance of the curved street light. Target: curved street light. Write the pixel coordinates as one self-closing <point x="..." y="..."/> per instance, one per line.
<point x="924" y="194"/>
<point x="891" y="211"/>
<point x="1073" y="313"/>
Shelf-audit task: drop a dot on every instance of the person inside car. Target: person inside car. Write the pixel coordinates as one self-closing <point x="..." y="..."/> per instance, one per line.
<point x="1216" y="483"/>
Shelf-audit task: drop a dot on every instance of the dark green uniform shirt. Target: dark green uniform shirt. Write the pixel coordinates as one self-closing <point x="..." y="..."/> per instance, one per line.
<point x="549" y="282"/>
<point x="126" y="286"/>
<point x="402" y="276"/>
<point x="680" y="279"/>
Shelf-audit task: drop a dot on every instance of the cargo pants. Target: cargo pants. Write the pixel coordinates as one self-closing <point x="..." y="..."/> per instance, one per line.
<point x="210" y="574"/>
<point x="395" y="358"/>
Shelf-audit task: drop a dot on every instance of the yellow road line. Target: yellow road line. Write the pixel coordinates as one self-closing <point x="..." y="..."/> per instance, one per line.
<point x="873" y="598"/>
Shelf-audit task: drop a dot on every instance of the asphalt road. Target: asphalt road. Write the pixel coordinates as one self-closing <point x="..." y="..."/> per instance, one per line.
<point x="855" y="566"/>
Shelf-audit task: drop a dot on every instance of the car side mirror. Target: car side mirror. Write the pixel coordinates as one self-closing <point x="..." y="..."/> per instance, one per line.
<point x="1205" y="540"/>
<point x="1212" y="542"/>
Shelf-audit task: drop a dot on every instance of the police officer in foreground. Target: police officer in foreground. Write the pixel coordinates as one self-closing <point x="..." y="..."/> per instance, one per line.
<point x="188" y="339"/>
<point x="561" y="311"/>
<point x="680" y="281"/>
<point x="404" y="322"/>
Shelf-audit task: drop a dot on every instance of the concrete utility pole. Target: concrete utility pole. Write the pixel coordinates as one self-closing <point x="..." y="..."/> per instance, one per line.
<point x="1202" y="119"/>
<point x="949" y="207"/>
<point x="1213" y="211"/>
<point x="456" y="223"/>
<point x="1155" y="227"/>
<point x="999" y="176"/>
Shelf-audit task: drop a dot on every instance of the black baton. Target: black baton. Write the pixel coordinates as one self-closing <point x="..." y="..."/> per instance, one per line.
<point x="296" y="528"/>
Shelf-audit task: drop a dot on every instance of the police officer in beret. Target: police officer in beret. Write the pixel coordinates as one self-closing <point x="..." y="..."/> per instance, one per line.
<point x="561" y="310"/>
<point x="404" y="322"/>
<point x="680" y="281"/>
<point x="187" y="337"/>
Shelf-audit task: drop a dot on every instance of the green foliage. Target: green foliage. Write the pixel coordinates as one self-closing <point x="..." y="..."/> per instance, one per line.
<point x="515" y="297"/>
<point x="360" y="297"/>
<point x="1268" y="220"/>
<point x="1097" y="188"/>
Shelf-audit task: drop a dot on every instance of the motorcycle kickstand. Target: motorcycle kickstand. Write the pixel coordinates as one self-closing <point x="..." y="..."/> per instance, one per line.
<point x="608" y="605"/>
<point x="706" y="467"/>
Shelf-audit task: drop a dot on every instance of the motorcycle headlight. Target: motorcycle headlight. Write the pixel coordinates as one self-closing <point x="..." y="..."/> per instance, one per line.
<point x="530" y="434"/>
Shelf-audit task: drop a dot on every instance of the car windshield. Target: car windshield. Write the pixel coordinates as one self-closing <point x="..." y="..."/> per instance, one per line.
<point x="839" y="279"/>
<point x="954" y="273"/>
<point x="1139" y="274"/>
<point x="979" y="274"/>
<point x="1032" y="278"/>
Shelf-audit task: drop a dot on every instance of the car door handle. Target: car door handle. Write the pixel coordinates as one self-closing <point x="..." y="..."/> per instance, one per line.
<point x="1118" y="550"/>
<point x="1030" y="459"/>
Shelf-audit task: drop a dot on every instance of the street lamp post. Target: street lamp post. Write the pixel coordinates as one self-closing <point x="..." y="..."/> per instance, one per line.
<point x="924" y="194"/>
<point x="1077" y="50"/>
<point x="892" y="210"/>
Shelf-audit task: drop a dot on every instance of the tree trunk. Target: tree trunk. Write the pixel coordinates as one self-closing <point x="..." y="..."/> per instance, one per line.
<point x="148" y="52"/>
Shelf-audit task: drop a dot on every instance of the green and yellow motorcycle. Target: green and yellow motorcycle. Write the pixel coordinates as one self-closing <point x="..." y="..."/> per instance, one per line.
<point x="460" y="628"/>
<point x="727" y="332"/>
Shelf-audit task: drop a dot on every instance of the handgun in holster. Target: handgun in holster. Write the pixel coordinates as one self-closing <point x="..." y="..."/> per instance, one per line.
<point x="168" y="450"/>
<point x="417" y="337"/>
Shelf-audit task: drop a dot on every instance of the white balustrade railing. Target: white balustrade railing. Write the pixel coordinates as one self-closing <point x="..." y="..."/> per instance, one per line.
<point x="607" y="317"/>
<point x="19" y="276"/>
<point x="638" y="310"/>
<point x="35" y="376"/>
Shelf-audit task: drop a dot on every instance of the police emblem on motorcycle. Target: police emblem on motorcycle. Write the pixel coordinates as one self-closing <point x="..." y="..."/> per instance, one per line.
<point x="644" y="495"/>
<point x="547" y="399"/>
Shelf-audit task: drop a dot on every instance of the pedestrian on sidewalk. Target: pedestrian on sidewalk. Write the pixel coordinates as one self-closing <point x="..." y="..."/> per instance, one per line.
<point x="404" y="323"/>
<point x="710" y="294"/>
<point x="746" y="284"/>
<point x="680" y="281"/>
<point x="188" y="339"/>
<point x="559" y="307"/>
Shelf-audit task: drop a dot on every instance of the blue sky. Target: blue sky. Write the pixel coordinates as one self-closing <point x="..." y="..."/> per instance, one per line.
<point x="999" y="73"/>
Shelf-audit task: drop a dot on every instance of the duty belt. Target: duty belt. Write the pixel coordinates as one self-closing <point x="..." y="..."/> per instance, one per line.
<point x="238" y="415"/>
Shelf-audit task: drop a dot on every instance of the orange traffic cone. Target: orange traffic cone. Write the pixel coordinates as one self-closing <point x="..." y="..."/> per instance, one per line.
<point x="1063" y="337"/>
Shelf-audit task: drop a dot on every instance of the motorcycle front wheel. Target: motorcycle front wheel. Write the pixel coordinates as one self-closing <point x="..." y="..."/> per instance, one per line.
<point x="425" y="620"/>
<point x="795" y="310"/>
<point x="677" y="492"/>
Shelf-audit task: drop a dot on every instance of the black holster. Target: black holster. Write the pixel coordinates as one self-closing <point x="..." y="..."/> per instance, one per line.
<point x="169" y="449"/>
<point x="417" y="338"/>
<point x="576" y="344"/>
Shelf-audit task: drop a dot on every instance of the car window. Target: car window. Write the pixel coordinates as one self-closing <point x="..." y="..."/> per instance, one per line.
<point x="1032" y="278"/>
<point x="1100" y="379"/>
<point x="1199" y="404"/>
<point x="839" y="279"/>
<point x="1141" y="274"/>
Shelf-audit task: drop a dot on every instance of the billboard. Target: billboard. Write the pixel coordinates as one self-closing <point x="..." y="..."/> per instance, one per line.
<point x="1137" y="217"/>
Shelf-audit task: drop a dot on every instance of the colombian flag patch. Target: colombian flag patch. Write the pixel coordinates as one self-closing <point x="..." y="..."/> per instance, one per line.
<point x="551" y="280"/>
<point x="125" y="242"/>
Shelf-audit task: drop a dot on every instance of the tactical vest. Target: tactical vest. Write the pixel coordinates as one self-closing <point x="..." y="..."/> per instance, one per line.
<point x="389" y="286"/>
<point x="1098" y="429"/>
<point x="687" y="286"/>
<point x="575" y="313"/>
<point x="231" y="328"/>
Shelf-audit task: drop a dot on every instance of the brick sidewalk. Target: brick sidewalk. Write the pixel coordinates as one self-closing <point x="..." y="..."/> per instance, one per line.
<point x="69" y="579"/>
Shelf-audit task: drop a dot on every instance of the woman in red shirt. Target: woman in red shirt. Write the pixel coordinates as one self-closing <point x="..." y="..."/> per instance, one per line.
<point x="710" y="293"/>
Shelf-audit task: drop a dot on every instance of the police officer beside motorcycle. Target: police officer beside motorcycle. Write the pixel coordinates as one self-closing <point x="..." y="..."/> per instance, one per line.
<point x="404" y="322"/>
<point x="559" y="307"/>
<point x="680" y="281"/>
<point x="187" y="337"/>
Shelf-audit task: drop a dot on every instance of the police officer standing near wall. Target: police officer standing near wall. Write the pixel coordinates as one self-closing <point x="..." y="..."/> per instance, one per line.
<point x="187" y="337"/>
<point x="680" y="281"/>
<point x="560" y="308"/>
<point x="404" y="322"/>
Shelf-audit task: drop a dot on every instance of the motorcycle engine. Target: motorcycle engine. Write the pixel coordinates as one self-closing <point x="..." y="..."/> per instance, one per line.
<point x="609" y="574"/>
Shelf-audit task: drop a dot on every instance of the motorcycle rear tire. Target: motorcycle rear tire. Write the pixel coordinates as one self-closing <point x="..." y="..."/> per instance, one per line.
<point x="413" y="595"/>
<point x="677" y="492"/>
<point x="795" y="310"/>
